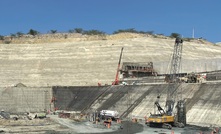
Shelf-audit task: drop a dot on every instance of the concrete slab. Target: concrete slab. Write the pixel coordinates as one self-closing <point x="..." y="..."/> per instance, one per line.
<point x="202" y="100"/>
<point x="25" y="99"/>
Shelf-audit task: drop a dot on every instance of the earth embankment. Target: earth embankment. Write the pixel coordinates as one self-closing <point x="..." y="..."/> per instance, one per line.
<point x="87" y="62"/>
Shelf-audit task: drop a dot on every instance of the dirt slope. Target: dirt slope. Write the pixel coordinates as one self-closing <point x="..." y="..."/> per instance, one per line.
<point x="82" y="60"/>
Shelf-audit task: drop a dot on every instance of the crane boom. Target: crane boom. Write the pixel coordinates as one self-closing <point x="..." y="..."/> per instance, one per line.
<point x="174" y="70"/>
<point x="176" y="60"/>
<point x="116" y="82"/>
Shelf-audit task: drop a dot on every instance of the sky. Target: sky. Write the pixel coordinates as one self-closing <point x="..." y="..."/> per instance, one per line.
<point x="189" y="18"/>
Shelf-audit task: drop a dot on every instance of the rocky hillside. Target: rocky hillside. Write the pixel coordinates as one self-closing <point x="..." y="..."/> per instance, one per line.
<point x="75" y="59"/>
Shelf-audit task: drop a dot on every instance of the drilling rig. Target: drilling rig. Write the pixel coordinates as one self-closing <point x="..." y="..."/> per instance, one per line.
<point x="169" y="117"/>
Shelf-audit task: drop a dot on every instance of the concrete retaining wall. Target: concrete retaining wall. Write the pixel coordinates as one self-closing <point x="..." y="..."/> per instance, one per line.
<point x="25" y="99"/>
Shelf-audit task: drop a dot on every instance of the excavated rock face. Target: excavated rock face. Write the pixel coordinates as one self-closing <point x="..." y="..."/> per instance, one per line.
<point x="87" y="60"/>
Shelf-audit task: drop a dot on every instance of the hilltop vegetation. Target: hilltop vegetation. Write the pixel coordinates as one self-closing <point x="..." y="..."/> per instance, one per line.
<point x="34" y="36"/>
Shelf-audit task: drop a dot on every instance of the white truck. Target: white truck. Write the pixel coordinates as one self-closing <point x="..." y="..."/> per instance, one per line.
<point x="109" y="114"/>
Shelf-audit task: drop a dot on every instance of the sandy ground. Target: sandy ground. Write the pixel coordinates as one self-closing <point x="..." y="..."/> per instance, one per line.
<point x="26" y="126"/>
<point x="55" y="125"/>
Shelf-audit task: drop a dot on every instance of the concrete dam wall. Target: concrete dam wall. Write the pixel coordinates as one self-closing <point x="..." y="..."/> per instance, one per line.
<point x="202" y="100"/>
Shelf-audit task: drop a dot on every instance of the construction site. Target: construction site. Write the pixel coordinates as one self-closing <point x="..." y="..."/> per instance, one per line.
<point x="123" y="83"/>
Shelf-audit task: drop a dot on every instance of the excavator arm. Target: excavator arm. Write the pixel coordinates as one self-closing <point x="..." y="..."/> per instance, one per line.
<point x="160" y="109"/>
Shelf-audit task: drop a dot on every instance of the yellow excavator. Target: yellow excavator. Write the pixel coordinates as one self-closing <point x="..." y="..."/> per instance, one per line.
<point x="169" y="117"/>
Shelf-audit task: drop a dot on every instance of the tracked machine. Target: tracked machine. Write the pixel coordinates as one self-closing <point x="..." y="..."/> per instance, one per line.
<point x="170" y="116"/>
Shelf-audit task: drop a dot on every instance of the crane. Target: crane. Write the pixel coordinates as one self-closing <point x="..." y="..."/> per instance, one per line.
<point x="168" y="118"/>
<point x="116" y="81"/>
<point x="174" y="70"/>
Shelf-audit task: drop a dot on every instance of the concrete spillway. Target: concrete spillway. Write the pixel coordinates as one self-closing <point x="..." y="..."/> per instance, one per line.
<point x="203" y="100"/>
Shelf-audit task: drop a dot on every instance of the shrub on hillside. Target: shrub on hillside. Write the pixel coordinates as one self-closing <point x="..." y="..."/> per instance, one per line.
<point x="149" y="32"/>
<point x="53" y="31"/>
<point x="174" y="35"/>
<point x="13" y="35"/>
<point x="132" y="30"/>
<point x="1" y="37"/>
<point x="19" y="34"/>
<point x="78" y="30"/>
<point x="71" y="31"/>
<point x="93" y="32"/>
<point x="33" y="32"/>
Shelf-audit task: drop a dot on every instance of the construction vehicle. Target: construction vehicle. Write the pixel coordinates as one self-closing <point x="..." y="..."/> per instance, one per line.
<point x="169" y="117"/>
<point x="109" y="114"/>
<point x="116" y="82"/>
<point x="193" y="78"/>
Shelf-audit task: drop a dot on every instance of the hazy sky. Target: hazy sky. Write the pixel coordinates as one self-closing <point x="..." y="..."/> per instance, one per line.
<point x="161" y="16"/>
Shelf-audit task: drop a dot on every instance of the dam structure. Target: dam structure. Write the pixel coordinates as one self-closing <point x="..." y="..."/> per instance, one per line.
<point x="33" y="73"/>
